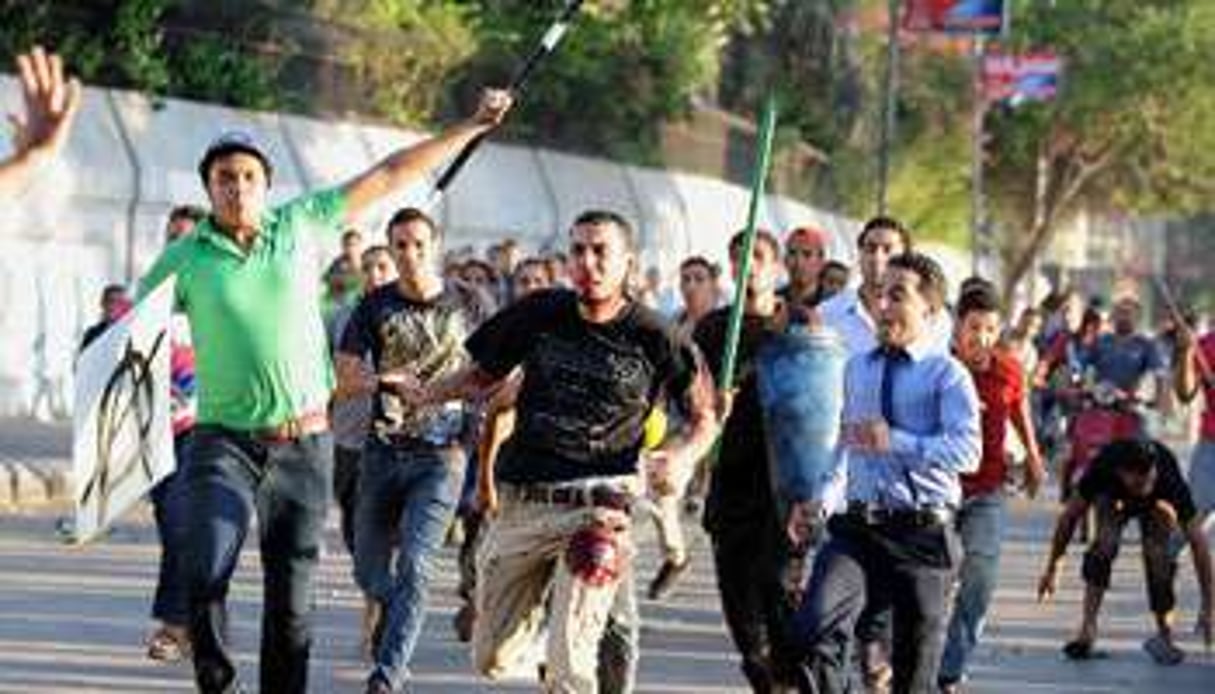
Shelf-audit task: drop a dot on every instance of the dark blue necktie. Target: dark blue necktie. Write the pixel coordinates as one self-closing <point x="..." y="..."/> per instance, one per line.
<point x="892" y="357"/>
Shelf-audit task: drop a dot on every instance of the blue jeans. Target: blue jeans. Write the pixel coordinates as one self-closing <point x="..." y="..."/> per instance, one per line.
<point x="981" y="524"/>
<point x="410" y="490"/>
<point x="171" y="604"/>
<point x="232" y="474"/>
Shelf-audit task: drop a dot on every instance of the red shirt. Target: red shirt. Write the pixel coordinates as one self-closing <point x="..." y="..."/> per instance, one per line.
<point x="1001" y="389"/>
<point x="1206" y="345"/>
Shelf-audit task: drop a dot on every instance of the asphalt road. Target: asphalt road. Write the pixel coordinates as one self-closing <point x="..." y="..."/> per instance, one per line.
<point x="74" y="620"/>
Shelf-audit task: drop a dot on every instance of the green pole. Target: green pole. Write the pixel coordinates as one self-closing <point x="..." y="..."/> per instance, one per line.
<point x="763" y="155"/>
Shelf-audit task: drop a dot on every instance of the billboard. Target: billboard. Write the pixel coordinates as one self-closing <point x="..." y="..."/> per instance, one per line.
<point x="1023" y="78"/>
<point x="955" y="16"/>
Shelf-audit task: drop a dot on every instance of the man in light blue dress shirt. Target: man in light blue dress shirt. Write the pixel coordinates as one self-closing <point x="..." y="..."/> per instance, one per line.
<point x="854" y="315"/>
<point x="910" y="425"/>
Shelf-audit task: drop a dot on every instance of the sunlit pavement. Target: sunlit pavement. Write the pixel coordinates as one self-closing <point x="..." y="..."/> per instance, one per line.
<point x="74" y="620"/>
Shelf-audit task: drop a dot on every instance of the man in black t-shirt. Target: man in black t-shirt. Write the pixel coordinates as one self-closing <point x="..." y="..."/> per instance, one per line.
<point x="412" y="463"/>
<point x="594" y="363"/>
<point x="1133" y="478"/>
<point x="751" y="554"/>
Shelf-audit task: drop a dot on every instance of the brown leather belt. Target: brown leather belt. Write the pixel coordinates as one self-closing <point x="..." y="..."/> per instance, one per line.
<point x="304" y="425"/>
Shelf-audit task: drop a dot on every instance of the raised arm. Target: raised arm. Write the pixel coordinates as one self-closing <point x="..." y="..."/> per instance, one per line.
<point x="408" y="164"/>
<point x="51" y="103"/>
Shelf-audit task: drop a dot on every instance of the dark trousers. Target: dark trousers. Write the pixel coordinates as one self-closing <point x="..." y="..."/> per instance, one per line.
<point x="346" y="463"/>
<point x="1157" y="531"/>
<point x="474" y="520"/>
<point x="906" y="568"/>
<point x="749" y="559"/>
<point x="170" y="604"/>
<point x="232" y="475"/>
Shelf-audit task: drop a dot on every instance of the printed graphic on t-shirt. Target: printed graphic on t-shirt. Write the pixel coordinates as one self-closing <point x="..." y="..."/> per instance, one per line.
<point x="423" y="338"/>
<point x="583" y="397"/>
<point x="429" y="342"/>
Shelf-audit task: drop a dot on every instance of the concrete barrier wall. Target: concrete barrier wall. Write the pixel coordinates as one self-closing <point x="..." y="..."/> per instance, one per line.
<point x="97" y="215"/>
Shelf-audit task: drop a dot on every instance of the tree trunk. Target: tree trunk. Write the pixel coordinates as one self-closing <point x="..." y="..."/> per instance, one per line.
<point x="1057" y="184"/>
<point x="1040" y="229"/>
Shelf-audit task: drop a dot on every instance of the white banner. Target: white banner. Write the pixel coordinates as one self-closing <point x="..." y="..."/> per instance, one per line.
<point x="122" y="442"/>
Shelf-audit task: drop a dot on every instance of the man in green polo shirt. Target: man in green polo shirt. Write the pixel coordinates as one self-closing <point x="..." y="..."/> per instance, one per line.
<point x="246" y="279"/>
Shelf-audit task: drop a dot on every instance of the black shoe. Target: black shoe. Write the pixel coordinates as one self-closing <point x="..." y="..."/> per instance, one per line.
<point x="376" y="685"/>
<point x="463" y="622"/>
<point x="665" y="580"/>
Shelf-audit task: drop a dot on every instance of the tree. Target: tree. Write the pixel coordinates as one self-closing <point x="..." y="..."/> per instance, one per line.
<point x="404" y="52"/>
<point x="1129" y="131"/>
<point x="620" y="77"/>
<point x="827" y="59"/>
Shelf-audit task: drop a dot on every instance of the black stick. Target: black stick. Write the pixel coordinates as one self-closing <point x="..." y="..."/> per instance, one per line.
<point x="549" y="42"/>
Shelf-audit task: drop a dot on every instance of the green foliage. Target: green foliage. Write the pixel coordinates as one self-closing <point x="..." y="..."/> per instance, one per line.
<point x="208" y="69"/>
<point x="405" y="51"/>
<point x="135" y="40"/>
<point x="112" y="41"/>
<point x="1127" y="133"/>
<point x="627" y="73"/>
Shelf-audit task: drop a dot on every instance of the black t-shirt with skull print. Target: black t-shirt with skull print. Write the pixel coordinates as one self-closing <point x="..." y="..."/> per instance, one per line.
<point x="587" y="387"/>
<point x="426" y="337"/>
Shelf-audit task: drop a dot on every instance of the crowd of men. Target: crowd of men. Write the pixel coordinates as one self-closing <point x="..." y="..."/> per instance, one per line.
<point x="554" y="400"/>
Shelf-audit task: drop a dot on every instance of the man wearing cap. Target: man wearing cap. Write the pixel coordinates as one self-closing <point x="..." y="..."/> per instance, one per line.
<point x="246" y="279"/>
<point x="805" y="254"/>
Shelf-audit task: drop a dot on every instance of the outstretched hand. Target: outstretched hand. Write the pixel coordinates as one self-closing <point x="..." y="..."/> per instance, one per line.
<point x="51" y="103"/>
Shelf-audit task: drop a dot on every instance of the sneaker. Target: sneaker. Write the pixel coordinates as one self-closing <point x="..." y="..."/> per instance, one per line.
<point x="1163" y="651"/>
<point x="168" y="644"/>
<point x="665" y="580"/>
